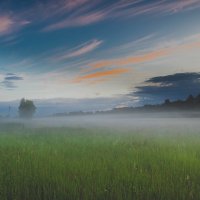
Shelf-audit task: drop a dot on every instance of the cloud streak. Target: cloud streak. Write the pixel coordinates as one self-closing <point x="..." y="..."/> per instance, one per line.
<point x="91" y="13"/>
<point x="9" y="80"/>
<point x="146" y="57"/>
<point x="160" y="7"/>
<point x="73" y="13"/>
<point x="83" y="20"/>
<point x="131" y="60"/>
<point x="117" y="65"/>
<point x="13" y="78"/>
<point x="80" y="50"/>
<point x="96" y="75"/>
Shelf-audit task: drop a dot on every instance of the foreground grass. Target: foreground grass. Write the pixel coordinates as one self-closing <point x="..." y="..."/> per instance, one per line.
<point x="64" y="163"/>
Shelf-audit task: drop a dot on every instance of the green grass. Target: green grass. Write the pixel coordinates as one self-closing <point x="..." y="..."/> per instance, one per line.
<point x="77" y="163"/>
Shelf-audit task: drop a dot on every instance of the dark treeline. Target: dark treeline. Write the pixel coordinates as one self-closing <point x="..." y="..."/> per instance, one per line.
<point x="191" y="103"/>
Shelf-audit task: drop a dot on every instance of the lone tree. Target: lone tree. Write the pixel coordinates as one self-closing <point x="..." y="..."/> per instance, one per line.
<point x="26" y="108"/>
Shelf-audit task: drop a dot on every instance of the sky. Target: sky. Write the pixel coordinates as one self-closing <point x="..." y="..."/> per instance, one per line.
<point x="115" y="53"/>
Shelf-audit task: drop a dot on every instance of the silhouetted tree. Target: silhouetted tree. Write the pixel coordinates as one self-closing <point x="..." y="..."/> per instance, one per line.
<point x="26" y="108"/>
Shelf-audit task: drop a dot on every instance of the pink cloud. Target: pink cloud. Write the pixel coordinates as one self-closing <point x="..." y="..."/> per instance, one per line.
<point x="45" y="10"/>
<point x="71" y="4"/>
<point x="72" y="13"/>
<point x="158" y="7"/>
<point x="89" y="14"/>
<point x="77" y="21"/>
<point x="80" y="50"/>
<point x="8" y="24"/>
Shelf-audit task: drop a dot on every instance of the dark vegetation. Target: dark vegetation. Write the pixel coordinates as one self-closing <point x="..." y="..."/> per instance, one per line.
<point x="26" y="108"/>
<point x="189" y="104"/>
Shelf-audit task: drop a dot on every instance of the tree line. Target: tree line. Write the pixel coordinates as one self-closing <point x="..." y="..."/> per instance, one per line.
<point x="191" y="102"/>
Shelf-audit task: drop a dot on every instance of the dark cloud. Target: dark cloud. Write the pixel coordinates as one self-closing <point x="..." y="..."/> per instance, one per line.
<point x="8" y="84"/>
<point x="9" y="81"/>
<point x="10" y="74"/>
<point x="176" y="86"/>
<point x="13" y="78"/>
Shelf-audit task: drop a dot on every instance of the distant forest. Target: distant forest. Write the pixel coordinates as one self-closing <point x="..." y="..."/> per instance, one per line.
<point x="191" y="103"/>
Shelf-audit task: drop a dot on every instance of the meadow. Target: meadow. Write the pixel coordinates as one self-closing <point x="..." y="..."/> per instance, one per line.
<point x="61" y="163"/>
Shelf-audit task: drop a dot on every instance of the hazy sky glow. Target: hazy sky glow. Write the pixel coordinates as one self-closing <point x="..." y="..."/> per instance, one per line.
<point x="82" y="49"/>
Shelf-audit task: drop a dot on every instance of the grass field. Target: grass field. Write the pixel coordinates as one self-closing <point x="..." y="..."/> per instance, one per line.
<point x="80" y="163"/>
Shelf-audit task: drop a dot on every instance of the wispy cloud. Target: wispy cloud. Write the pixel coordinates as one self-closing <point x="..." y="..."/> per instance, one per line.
<point x="8" y="84"/>
<point x="145" y="57"/>
<point x="141" y="42"/>
<point x="13" y="78"/>
<point x="100" y="70"/>
<point x="9" y="24"/>
<point x="90" y="13"/>
<point x="9" y="80"/>
<point x="47" y="11"/>
<point x="72" y="13"/>
<point x="79" y="50"/>
<point x="83" y="20"/>
<point x="131" y="60"/>
<point x="100" y="74"/>
<point x="160" y="7"/>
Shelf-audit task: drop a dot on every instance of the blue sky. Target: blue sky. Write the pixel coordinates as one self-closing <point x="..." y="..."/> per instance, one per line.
<point x="84" y="49"/>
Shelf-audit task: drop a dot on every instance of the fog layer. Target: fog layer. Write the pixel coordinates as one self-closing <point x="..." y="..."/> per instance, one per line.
<point x="117" y="121"/>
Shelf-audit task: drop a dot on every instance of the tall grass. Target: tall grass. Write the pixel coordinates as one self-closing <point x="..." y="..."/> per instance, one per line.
<point x="76" y="163"/>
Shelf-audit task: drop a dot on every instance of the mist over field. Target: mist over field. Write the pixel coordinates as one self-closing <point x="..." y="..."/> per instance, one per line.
<point x="117" y="157"/>
<point x="156" y="121"/>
